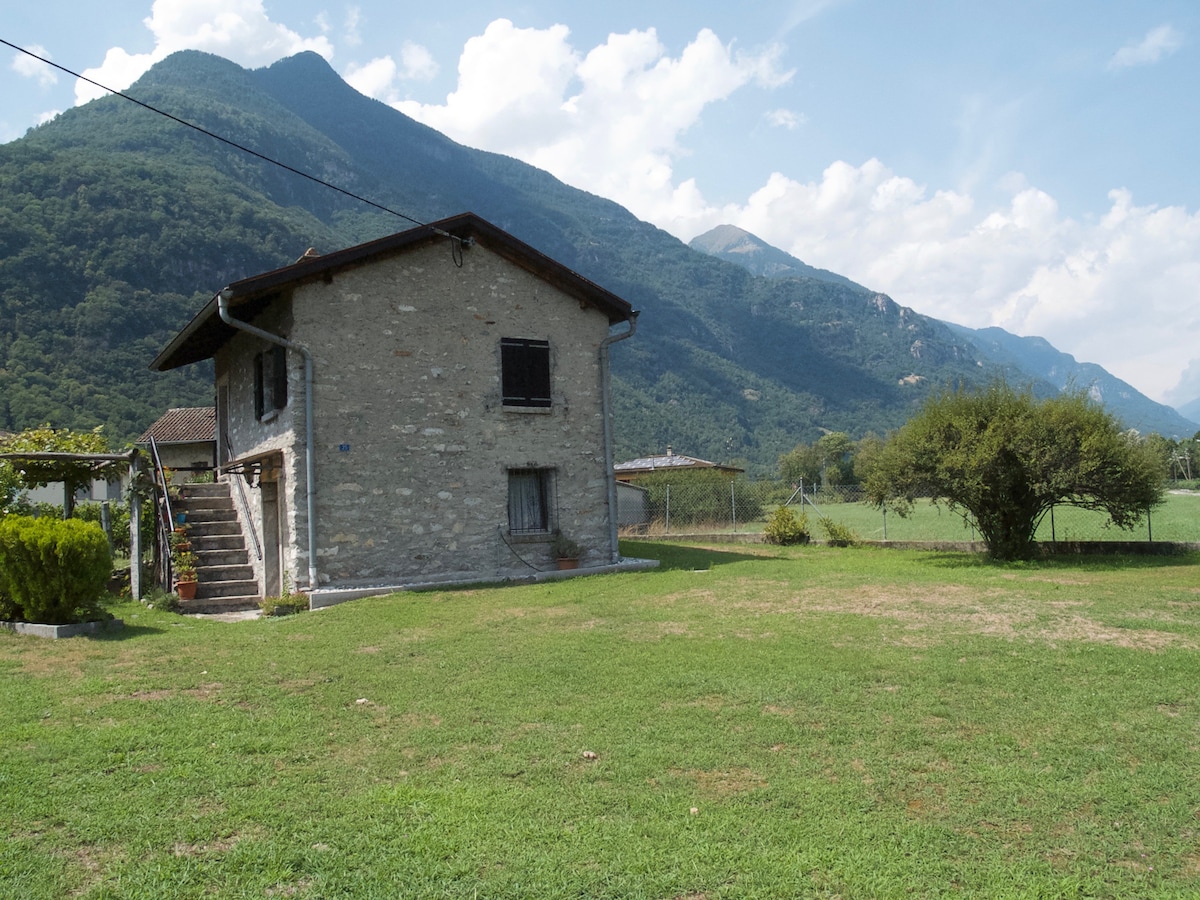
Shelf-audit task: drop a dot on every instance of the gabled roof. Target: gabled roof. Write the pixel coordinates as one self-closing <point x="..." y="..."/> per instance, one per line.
<point x="183" y="425"/>
<point x="206" y="333"/>
<point x="670" y="461"/>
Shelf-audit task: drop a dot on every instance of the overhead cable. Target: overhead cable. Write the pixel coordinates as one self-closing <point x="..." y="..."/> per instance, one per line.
<point x="236" y="145"/>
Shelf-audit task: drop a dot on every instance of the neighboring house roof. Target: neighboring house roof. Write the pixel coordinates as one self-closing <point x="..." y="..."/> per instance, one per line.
<point x="183" y="425"/>
<point x="207" y="333"/>
<point x="670" y="461"/>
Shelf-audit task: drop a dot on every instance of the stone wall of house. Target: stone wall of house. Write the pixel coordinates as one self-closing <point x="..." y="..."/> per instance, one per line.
<point x="413" y="444"/>
<point x="277" y="436"/>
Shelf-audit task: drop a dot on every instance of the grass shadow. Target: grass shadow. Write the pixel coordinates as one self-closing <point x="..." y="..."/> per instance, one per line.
<point x="682" y="557"/>
<point x="125" y="633"/>
<point x="1085" y="562"/>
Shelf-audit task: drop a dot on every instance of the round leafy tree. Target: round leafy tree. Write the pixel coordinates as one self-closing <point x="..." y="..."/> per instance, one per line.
<point x="1005" y="458"/>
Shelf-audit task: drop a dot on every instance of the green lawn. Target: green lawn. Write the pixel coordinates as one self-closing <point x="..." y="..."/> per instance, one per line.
<point x="1178" y="519"/>
<point x="765" y="722"/>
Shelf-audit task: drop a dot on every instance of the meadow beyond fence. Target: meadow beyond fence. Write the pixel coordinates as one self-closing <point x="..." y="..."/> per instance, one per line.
<point x="741" y="507"/>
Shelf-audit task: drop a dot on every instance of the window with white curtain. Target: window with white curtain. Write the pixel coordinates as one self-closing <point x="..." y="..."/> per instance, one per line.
<point x="531" y="501"/>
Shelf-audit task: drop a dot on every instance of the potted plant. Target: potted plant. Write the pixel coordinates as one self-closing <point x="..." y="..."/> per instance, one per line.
<point x="184" y="564"/>
<point x="566" y="551"/>
<point x="180" y="542"/>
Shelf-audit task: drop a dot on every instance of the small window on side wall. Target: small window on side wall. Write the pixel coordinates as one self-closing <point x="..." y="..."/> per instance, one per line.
<point x="525" y="373"/>
<point x="270" y="382"/>
<point x="531" y="501"/>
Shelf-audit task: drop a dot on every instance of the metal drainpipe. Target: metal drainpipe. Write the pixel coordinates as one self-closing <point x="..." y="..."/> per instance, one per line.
<point x="223" y="299"/>
<point x="606" y="402"/>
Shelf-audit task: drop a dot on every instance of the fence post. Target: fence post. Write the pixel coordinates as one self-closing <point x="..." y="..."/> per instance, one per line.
<point x="1053" y="536"/>
<point x="733" y="505"/>
<point x="1149" y="528"/>
<point x="885" y="523"/>
<point x="667" y="525"/>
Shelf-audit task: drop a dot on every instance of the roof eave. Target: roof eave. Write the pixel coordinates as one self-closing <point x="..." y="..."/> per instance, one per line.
<point x="206" y="333"/>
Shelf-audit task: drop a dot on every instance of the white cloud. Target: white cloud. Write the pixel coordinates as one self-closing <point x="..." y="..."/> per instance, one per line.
<point x="609" y="120"/>
<point x="353" y="32"/>
<point x="28" y="67"/>
<point x="1123" y="291"/>
<point x="375" y="78"/>
<point x="238" y="30"/>
<point x="1187" y="388"/>
<point x="1158" y="42"/>
<point x="785" y="118"/>
<point x="418" y="63"/>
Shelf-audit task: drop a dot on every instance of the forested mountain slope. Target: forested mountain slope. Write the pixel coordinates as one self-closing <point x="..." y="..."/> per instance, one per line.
<point x="1021" y="360"/>
<point x="117" y="224"/>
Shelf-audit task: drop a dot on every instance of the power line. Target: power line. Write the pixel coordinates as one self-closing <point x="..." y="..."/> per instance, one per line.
<point x="231" y="143"/>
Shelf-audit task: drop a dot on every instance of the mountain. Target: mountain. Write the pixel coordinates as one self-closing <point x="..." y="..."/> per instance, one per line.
<point x="117" y="224"/>
<point x="1190" y="410"/>
<point x="1020" y="359"/>
<point x="731" y="243"/>
<point x="1035" y="357"/>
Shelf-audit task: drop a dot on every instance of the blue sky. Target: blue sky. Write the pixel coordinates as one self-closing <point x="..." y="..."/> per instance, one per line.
<point x="1028" y="164"/>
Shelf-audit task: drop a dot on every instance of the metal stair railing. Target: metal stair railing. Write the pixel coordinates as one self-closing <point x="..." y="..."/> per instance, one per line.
<point x="164" y="520"/>
<point x="243" y="505"/>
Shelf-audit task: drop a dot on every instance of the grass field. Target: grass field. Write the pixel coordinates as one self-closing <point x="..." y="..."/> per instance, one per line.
<point x="768" y="723"/>
<point x="1177" y="519"/>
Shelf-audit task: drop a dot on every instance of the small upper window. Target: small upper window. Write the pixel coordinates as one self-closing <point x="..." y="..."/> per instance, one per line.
<point x="270" y="382"/>
<point x="525" y="372"/>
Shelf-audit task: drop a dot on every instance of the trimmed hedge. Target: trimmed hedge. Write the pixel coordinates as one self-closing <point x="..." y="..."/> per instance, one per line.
<point x="52" y="571"/>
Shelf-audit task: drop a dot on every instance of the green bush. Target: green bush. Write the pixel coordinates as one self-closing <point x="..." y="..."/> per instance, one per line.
<point x="837" y="534"/>
<point x="289" y="603"/>
<point x="53" y="571"/>
<point x="785" y="527"/>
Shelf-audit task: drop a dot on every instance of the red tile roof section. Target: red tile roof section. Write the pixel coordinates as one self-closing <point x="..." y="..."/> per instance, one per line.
<point x="183" y="425"/>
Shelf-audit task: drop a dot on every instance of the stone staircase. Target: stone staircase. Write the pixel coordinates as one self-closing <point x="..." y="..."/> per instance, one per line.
<point x="223" y="568"/>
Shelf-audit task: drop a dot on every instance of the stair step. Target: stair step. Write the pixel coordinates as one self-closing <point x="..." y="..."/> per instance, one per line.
<point x="216" y="570"/>
<point x="234" y="542"/>
<point x="207" y="515"/>
<point x="221" y="557"/>
<point x="198" y="490"/>
<point x="208" y="590"/>
<point x="209" y="529"/>
<point x="209" y="605"/>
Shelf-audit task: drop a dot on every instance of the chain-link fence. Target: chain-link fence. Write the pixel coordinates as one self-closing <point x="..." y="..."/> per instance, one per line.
<point x="682" y="506"/>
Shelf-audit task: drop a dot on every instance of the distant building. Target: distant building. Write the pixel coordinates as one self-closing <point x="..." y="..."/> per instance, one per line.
<point x="185" y="438"/>
<point x="671" y="461"/>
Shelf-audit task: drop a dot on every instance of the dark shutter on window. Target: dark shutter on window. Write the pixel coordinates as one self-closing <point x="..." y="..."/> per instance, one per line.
<point x="258" y="386"/>
<point x="525" y="372"/>
<point x="279" y="392"/>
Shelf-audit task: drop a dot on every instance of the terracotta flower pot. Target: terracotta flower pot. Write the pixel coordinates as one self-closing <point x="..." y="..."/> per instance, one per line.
<point x="568" y="563"/>
<point x="186" y="589"/>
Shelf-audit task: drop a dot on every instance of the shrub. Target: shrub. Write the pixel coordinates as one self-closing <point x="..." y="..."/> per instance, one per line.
<point x="785" y="527"/>
<point x="287" y="604"/>
<point x="162" y="600"/>
<point x="53" y="570"/>
<point x="837" y="534"/>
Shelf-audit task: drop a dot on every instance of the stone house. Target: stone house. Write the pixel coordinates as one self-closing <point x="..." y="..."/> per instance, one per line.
<point x="429" y="407"/>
